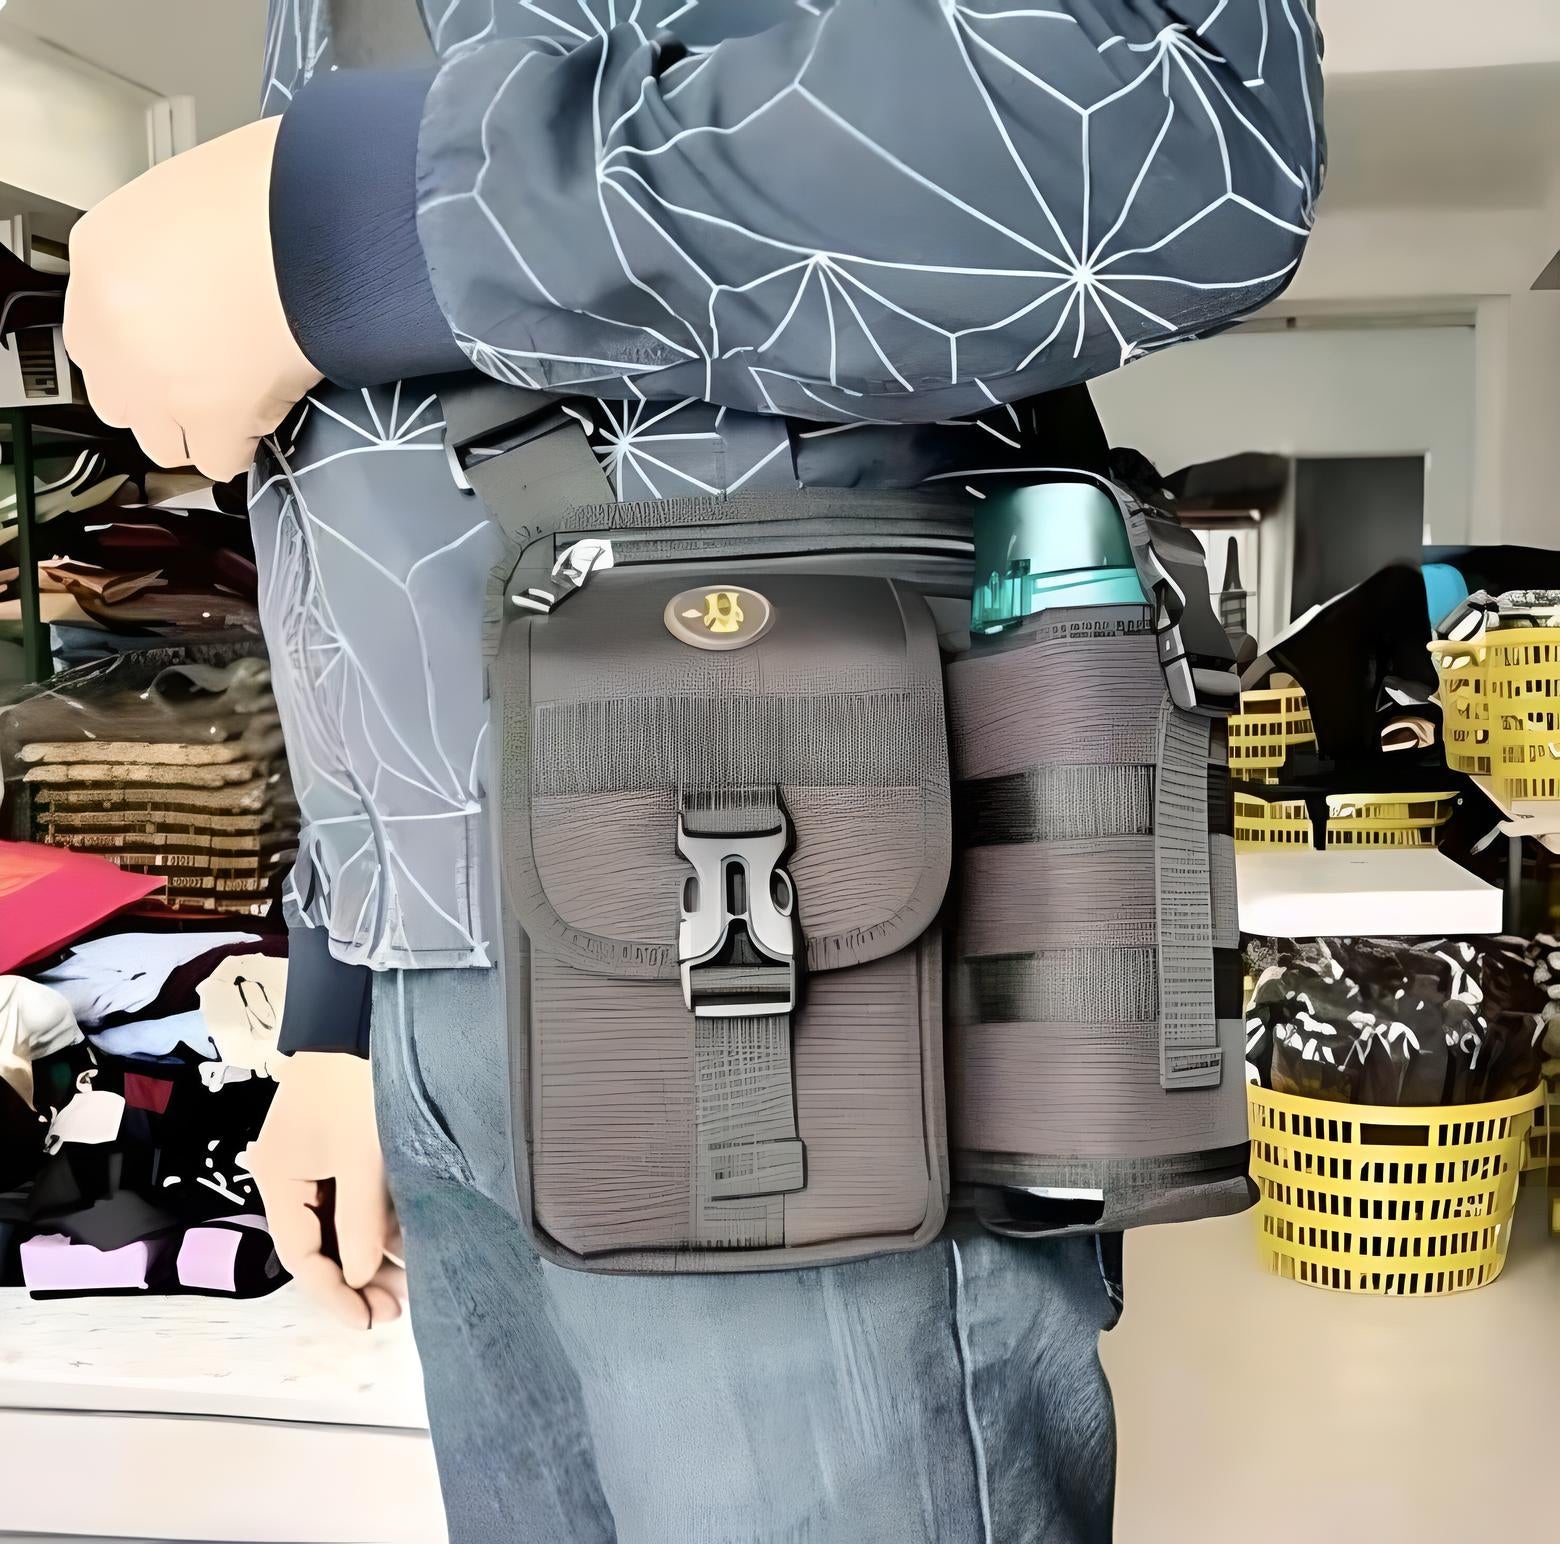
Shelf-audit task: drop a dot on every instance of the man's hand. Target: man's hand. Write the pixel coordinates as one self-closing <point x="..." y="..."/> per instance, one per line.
<point x="173" y="314"/>
<point x="322" y="1178"/>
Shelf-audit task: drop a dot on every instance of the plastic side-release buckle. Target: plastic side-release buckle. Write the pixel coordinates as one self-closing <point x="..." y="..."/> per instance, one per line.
<point x="737" y="938"/>
<point x="1194" y="650"/>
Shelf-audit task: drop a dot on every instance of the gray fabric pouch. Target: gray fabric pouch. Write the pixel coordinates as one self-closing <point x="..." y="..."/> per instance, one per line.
<point x="724" y="832"/>
<point x="1096" y="1049"/>
<point x="725" y="841"/>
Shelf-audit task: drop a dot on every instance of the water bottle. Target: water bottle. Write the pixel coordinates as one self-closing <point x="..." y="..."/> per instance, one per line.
<point x="1046" y="546"/>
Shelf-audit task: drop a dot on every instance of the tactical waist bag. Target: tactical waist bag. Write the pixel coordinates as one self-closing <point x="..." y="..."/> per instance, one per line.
<point x="738" y="853"/>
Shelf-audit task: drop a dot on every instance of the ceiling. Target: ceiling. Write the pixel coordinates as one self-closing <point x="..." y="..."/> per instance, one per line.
<point x="1408" y="128"/>
<point x="207" y="49"/>
<point x="1465" y="139"/>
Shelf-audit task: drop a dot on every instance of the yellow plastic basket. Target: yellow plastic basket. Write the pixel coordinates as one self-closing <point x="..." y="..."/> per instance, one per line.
<point x="1546" y="1148"/>
<point x="1268" y="725"/>
<point x="1398" y="1203"/>
<point x="1500" y="706"/>
<point x="1353" y="820"/>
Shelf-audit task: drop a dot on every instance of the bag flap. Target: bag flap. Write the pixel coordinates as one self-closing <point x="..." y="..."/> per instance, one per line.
<point x="610" y="725"/>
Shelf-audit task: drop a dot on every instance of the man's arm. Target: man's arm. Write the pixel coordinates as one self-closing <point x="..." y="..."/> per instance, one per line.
<point x="317" y="1159"/>
<point x="887" y="210"/>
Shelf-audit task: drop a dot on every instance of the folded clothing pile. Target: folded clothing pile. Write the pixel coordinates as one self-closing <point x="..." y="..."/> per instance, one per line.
<point x="122" y="558"/>
<point x="167" y="762"/>
<point x="65" y="482"/>
<point x="1382" y="1021"/>
<point x="134" y="1073"/>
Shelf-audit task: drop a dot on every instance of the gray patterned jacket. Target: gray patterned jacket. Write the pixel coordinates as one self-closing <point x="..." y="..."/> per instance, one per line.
<point x="764" y="243"/>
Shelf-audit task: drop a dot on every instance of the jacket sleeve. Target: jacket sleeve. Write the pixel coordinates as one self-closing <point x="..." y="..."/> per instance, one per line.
<point x="897" y="211"/>
<point x="327" y="1003"/>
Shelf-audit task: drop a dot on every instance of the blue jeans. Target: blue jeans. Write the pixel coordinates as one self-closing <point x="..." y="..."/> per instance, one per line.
<point x="951" y="1396"/>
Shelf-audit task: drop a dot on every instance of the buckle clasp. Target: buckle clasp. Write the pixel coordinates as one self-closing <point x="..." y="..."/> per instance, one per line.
<point x="1194" y="649"/>
<point x="737" y="938"/>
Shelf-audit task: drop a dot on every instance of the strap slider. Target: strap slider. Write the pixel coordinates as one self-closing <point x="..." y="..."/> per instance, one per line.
<point x="737" y="941"/>
<point x="574" y="565"/>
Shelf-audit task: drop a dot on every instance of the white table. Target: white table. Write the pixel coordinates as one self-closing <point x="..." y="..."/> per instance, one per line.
<point x="201" y="1418"/>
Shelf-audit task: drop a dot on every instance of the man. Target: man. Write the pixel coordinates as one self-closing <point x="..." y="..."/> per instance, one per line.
<point x="755" y="245"/>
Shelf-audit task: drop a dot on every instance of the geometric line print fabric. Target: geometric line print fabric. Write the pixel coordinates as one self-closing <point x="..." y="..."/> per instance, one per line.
<point x="755" y="276"/>
<point x="1025" y="196"/>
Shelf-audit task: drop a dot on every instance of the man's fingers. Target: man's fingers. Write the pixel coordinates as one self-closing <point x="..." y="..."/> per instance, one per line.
<point x="113" y="410"/>
<point x="221" y="457"/>
<point x="108" y="402"/>
<point x="296" y="1232"/>
<point x="323" y="1281"/>
<point x="162" y="440"/>
<point x="385" y="1296"/>
<point x="364" y="1222"/>
<point x="392" y="1278"/>
<point x="289" y="1212"/>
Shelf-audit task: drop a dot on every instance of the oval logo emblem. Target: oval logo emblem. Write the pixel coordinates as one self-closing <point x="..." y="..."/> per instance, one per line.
<point x="719" y="616"/>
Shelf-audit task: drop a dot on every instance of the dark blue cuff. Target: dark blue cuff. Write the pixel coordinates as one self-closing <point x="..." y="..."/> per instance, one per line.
<point x="327" y="1005"/>
<point x="353" y="278"/>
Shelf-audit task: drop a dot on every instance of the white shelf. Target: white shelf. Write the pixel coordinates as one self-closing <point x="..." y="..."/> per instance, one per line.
<point x="1363" y="892"/>
<point x="275" y="1358"/>
<point x="299" y="1431"/>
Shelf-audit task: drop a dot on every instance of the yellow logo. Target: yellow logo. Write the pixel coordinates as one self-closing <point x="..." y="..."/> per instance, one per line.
<point x="731" y="617"/>
<point x="723" y="612"/>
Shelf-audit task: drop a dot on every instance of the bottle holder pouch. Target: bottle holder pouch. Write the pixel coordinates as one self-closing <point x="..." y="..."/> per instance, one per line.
<point x="1096" y="1044"/>
<point x="724" y="835"/>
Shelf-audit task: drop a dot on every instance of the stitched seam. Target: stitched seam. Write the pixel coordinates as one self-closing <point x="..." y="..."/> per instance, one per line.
<point x="977" y="1442"/>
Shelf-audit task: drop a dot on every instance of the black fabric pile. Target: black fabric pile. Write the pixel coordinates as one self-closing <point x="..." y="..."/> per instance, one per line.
<point x="123" y="551"/>
<point x="1388" y="1022"/>
<point x="123" y="1173"/>
<point x="1364" y="663"/>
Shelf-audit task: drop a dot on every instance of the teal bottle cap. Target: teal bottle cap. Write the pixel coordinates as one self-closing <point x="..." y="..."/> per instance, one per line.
<point x="1049" y="545"/>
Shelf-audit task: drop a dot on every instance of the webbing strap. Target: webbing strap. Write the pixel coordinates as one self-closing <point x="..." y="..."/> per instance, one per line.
<point x="1057" y="803"/>
<point x="748" y="1156"/>
<point x="526" y="456"/>
<point x="1189" y="1053"/>
<point x="530" y="463"/>
<point x="738" y="945"/>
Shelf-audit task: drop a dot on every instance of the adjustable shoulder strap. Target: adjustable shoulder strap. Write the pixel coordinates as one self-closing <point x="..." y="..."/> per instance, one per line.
<point x="1068" y="419"/>
<point x="486" y="421"/>
<point x="528" y="494"/>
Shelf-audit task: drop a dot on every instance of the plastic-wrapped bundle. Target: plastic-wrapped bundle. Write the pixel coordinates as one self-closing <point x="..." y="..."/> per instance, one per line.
<point x="167" y="761"/>
<point x="1395" y="1023"/>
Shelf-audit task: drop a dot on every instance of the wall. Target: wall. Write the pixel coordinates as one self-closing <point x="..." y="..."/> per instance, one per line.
<point x="1364" y="391"/>
<point x="1365" y="36"/>
<point x="1517" y="477"/>
<point x="69" y="132"/>
<point x="209" y="49"/>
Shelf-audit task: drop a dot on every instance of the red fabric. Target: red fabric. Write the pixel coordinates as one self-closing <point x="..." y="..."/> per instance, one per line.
<point x="50" y="896"/>
<point x="146" y="1093"/>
